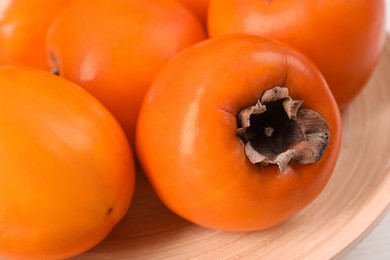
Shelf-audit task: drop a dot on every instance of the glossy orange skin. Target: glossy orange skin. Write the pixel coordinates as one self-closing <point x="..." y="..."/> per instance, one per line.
<point x="343" y="38"/>
<point x="113" y="49"/>
<point x="67" y="173"/>
<point x="199" y="7"/>
<point x="188" y="146"/>
<point x="23" y="28"/>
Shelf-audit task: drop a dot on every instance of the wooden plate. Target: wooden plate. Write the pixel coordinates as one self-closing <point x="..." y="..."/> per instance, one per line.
<point x="356" y="198"/>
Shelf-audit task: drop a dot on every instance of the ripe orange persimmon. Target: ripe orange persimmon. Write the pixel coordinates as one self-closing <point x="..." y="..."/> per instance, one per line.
<point x="23" y="28"/>
<point x="343" y="38"/>
<point x="67" y="173"/>
<point x="113" y="49"/>
<point x="199" y="7"/>
<point x="211" y="106"/>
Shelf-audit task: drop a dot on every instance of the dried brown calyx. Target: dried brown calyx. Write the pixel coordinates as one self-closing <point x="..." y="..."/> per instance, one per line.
<point x="276" y="131"/>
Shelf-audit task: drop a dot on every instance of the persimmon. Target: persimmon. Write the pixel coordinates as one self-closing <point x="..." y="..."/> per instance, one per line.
<point x="199" y="7"/>
<point x="113" y="49"/>
<point x="343" y="38"/>
<point x="67" y="173"/>
<point x="23" y="28"/>
<point x="232" y="135"/>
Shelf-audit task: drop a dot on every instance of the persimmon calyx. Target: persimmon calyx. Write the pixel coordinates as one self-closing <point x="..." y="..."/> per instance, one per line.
<point x="56" y="64"/>
<point x="276" y="130"/>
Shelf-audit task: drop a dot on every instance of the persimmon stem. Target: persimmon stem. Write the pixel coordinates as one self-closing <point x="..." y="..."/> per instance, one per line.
<point x="269" y="131"/>
<point x="276" y="131"/>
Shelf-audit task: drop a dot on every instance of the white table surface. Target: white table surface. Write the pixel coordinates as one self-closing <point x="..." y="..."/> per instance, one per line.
<point x="376" y="246"/>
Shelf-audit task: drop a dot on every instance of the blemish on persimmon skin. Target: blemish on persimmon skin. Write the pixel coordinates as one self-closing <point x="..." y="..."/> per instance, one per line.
<point x="109" y="211"/>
